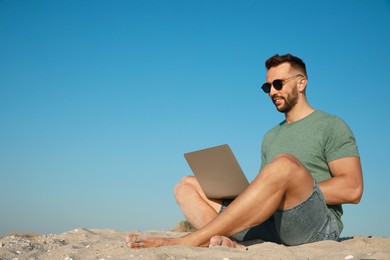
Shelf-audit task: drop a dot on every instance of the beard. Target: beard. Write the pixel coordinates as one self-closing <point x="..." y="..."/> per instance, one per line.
<point x="289" y="101"/>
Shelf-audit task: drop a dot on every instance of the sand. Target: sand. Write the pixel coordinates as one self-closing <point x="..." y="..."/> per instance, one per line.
<point x="82" y="243"/>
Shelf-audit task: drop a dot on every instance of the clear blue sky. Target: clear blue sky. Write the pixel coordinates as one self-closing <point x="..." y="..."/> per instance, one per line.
<point x="100" y="99"/>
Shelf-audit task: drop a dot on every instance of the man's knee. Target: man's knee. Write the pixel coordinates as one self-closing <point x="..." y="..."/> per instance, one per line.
<point x="287" y="160"/>
<point x="184" y="186"/>
<point x="288" y="165"/>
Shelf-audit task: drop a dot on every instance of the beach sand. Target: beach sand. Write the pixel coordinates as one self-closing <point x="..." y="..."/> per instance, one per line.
<point x="82" y="243"/>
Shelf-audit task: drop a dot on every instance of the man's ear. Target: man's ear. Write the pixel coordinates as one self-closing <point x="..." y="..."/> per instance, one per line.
<point x="302" y="83"/>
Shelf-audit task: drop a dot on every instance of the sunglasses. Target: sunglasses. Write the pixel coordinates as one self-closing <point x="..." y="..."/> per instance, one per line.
<point x="277" y="83"/>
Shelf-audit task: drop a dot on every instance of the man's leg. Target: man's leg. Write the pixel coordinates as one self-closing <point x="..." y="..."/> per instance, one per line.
<point x="196" y="207"/>
<point x="282" y="184"/>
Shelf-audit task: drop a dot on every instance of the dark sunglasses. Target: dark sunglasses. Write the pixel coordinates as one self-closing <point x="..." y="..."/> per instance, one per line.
<point x="277" y="83"/>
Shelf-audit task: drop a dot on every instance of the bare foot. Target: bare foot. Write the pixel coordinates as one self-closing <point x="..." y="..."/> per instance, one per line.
<point x="224" y="242"/>
<point x="137" y="241"/>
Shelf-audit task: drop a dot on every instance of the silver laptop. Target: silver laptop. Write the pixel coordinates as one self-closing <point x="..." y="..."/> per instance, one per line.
<point x="217" y="172"/>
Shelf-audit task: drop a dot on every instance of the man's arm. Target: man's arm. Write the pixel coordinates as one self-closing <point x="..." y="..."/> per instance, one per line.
<point x="346" y="186"/>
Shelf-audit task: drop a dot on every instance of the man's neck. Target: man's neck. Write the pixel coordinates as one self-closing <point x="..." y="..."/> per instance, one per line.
<point x="298" y="112"/>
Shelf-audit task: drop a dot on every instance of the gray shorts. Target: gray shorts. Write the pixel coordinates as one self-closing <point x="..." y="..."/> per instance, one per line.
<point x="307" y="222"/>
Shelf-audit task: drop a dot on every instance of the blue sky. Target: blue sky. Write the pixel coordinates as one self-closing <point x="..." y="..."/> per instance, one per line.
<point x="100" y="99"/>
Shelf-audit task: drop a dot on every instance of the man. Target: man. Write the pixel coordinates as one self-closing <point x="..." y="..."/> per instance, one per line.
<point x="310" y="166"/>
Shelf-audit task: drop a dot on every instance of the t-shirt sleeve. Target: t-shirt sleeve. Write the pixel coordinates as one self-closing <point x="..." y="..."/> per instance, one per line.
<point x="340" y="141"/>
<point x="263" y="159"/>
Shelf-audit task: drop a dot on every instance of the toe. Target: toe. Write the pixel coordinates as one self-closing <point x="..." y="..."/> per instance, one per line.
<point x="215" y="241"/>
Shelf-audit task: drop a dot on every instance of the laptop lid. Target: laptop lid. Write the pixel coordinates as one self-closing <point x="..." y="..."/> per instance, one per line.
<point x="217" y="172"/>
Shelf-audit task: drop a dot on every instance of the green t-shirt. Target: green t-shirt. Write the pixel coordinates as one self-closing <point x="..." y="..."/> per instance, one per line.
<point x="315" y="140"/>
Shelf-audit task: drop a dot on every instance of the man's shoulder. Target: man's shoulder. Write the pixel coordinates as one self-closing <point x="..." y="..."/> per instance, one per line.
<point x="324" y="115"/>
<point x="324" y="120"/>
<point x="330" y="119"/>
<point x="320" y="114"/>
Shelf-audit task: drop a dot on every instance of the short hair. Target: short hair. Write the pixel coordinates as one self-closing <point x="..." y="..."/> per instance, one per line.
<point x="295" y="62"/>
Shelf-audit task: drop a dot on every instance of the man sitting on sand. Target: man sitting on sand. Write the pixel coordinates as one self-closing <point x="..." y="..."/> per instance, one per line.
<point x="310" y="166"/>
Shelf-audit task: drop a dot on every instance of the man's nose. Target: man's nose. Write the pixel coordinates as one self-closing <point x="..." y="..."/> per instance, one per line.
<point x="272" y="90"/>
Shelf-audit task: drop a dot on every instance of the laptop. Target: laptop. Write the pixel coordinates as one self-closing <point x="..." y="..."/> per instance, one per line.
<point x="217" y="172"/>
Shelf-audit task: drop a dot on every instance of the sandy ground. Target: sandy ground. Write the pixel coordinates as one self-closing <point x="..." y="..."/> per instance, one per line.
<point x="102" y="244"/>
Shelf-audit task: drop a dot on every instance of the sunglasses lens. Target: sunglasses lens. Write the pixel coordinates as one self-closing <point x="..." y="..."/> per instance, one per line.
<point x="278" y="84"/>
<point x="266" y="87"/>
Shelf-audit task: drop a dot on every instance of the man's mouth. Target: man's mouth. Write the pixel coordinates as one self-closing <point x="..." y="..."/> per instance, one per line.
<point x="277" y="100"/>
